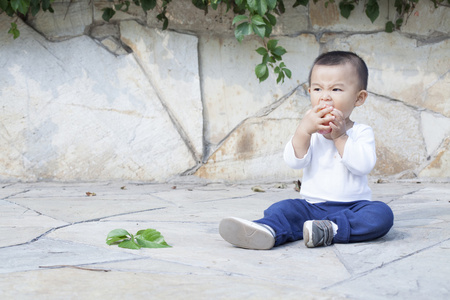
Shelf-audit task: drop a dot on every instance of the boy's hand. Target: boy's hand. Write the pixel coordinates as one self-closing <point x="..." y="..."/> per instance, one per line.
<point x="339" y="131"/>
<point x="338" y="125"/>
<point x="317" y="119"/>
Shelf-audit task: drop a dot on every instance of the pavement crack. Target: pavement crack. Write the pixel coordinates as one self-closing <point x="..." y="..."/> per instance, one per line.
<point x="362" y="274"/>
<point x="73" y="267"/>
<point x="343" y="261"/>
<point x="79" y="222"/>
<point x="15" y="194"/>
<point x="120" y="214"/>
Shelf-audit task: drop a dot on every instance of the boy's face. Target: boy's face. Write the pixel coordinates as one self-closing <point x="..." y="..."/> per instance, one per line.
<point x="337" y="86"/>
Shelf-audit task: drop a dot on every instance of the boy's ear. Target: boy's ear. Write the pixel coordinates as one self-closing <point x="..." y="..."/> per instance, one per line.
<point x="361" y="97"/>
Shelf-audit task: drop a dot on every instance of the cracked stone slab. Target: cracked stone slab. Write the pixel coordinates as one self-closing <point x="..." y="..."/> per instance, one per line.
<point x="70" y="18"/>
<point x="257" y="144"/>
<point x="49" y="252"/>
<point x="397" y="244"/>
<point x="232" y="93"/>
<point x="79" y="209"/>
<point x="426" y="78"/>
<point x="199" y="245"/>
<point x="422" y="275"/>
<point x="389" y="120"/>
<point x="70" y="283"/>
<point x="170" y="62"/>
<point x="211" y="211"/>
<point x="158" y="266"/>
<point x="406" y="263"/>
<point x="106" y="112"/>
<point x="19" y="225"/>
<point x="70" y="203"/>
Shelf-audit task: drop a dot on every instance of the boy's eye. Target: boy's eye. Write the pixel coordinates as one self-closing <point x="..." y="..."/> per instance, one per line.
<point x="316" y="89"/>
<point x="337" y="90"/>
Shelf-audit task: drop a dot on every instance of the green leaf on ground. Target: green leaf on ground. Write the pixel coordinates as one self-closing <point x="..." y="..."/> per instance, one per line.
<point x="129" y="244"/>
<point x="147" y="238"/>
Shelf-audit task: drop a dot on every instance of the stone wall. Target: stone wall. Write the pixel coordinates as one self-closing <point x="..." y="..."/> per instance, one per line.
<point x="86" y="100"/>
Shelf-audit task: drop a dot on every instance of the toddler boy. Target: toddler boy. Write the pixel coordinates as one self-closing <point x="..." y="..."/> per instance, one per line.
<point x="336" y="154"/>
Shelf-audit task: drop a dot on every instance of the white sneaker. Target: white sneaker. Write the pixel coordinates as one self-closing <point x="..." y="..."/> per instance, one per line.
<point x="247" y="234"/>
<point x="318" y="233"/>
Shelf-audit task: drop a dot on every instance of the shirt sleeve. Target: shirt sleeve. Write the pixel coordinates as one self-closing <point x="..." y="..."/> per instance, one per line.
<point x="359" y="152"/>
<point x="292" y="161"/>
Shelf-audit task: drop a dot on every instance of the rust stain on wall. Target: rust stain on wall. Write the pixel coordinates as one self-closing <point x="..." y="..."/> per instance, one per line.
<point x="322" y="16"/>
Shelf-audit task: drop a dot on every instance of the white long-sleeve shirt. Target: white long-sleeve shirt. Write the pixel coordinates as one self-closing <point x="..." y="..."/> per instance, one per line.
<point x="329" y="177"/>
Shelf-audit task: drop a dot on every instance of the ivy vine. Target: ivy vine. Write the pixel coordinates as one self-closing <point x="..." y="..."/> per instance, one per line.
<point x="252" y="17"/>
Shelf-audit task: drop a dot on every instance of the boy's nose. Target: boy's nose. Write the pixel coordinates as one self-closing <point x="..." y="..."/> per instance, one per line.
<point x="325" y="97"/>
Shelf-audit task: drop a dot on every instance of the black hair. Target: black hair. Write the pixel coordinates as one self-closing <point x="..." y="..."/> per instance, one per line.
<point x="334" y="58"/>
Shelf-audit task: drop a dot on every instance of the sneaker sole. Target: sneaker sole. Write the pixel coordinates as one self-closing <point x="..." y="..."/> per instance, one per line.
<point x="307" y="230"/>
<point x="246" y="234"/>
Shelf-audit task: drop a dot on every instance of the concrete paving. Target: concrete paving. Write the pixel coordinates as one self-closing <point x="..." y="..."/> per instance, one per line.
<point x="52" y="245"/>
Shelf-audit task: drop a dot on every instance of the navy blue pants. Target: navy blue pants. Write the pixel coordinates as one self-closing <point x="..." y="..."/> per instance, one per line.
<point x="358" y="221"/>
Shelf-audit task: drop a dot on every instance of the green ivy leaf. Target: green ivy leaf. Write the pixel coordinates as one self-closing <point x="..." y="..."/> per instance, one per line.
<point x="258" y="20"/>
<point x="287" y="72"/>
<point x="129" y="244"/>
<point x="239" y="19"/>
<point x="215" y="4"/>
<point x="151" y="238"/>
<point x="268" y="31"/>
<point x="281" y="9"/>
<point x="280" y="77"/>
<point x="271" y="59"/>
<point x="271" y="44"/>
<point x="148" y="244"/>
<point x="117" y="233"/>
<point x="277" y="69"/>
<point x="14" y="4"/>
<point x="242" y="30"/>
<point x="147" y="238"/>
<point x="261" y="51"/>
<point x="271" y="4"/>
<point x="21" y="5"/>
<point x="278" y="51"/>
<point x="162" y="17"/>
<point x="46" y="5"/>
<point x="259" y="6"/>
<point x="301" y="2"/>
<point x="201" y="4"/>
<point x="345" y="8"/>
<point x="372" y="10"/>
<point x="4" y="4"/>
<point x="389" y="27"/>
<point x="262" y="72"/>
<point x="272" y="19"/>
<point x="259" y="30"/>
<point x="35" y="7"/>
<point x="148" y="4"/>
<point x="14" y="31"/>
<point x="108" y="13"/>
